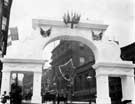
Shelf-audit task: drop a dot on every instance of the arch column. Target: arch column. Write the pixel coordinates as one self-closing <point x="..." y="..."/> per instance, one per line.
<point x="102" y="82"/>
<point x="128" y="88"/>
<point x="36" y="98"/>
<point x="102" y="90"/>
<point x="5" y="86"/>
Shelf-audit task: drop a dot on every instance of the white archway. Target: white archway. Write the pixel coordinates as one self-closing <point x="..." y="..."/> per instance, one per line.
<point x="107" y="57"/>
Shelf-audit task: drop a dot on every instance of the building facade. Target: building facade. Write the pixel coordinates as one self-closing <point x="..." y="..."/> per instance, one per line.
<point x="5" y="6"/>
<point x="78" y="52"/>
<point x="82" y="58"/>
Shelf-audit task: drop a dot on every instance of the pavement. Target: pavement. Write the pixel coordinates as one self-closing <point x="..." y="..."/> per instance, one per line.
<point x="29" y="102"/>
<point x="52" y="103"/>
<point x="59" y="103"/>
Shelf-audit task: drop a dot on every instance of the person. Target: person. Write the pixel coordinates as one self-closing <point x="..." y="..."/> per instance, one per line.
<point x="4" y="97"/>
<point x="16" y="94"/>
<point x="11" y="98"/>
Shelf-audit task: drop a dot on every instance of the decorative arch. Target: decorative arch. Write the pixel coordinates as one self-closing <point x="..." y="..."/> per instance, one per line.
<point x="82" y="32"/>
<point x="107" y="59"/>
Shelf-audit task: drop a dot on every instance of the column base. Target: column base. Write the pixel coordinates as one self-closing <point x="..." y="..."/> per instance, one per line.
<point x="133" y="101"/>
<point x="36" y="99"/>
<point x="103" y="101"/>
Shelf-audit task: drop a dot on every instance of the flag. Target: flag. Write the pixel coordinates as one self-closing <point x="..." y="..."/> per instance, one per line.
<point x="13" y="35"/>
<point x="45" y="33"/>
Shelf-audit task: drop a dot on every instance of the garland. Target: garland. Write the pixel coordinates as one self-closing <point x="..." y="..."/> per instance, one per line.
<point x="67" y="79"/>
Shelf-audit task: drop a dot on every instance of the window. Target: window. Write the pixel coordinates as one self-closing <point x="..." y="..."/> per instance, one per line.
<point x="6" y="2"/>
<point x="4" y="23"/>
<point x="82" y="60"/>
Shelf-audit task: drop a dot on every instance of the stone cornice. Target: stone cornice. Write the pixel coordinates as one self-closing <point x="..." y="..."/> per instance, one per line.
<point x="23" y="61"/>
<point x="45" y="22"/>
<point x="122" y="64"/>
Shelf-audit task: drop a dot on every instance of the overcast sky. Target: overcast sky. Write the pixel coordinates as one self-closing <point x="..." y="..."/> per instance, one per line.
<point x="118" y="14"/>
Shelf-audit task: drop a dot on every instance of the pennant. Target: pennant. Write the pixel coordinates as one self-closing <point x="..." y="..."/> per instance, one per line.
<point x="45" y="33"/>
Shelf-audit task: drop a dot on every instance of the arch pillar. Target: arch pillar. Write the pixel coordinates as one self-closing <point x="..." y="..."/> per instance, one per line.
<point x="102" y="90"/>
<point x="122" y="69"/>
<point x="36" y="98"/>
<point x="128" y="88"/>
<point x="5" y="85"/>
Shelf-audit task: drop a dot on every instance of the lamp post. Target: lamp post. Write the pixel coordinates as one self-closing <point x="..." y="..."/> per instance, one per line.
<point x="89" y="78"/>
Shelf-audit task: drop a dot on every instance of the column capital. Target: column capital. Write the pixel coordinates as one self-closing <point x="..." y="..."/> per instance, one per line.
<point x="23" y="61"/>
<point x="116" y="64"/>
<point x="120" y="68"/>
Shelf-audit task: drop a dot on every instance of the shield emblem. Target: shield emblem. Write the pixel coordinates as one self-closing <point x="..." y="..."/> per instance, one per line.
<point x="67" y="70"/>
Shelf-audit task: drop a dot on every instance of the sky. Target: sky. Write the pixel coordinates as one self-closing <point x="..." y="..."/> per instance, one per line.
<point x="118" y="14"/>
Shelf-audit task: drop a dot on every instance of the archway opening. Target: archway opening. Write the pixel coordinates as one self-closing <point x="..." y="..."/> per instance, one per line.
<point x="22" y="82"/>
<point x="74" y="53"/>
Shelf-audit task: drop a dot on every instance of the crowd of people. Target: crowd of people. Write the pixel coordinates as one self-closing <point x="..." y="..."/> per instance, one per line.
<point x="14" y="97"/>
<point x="5" y="98"/>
